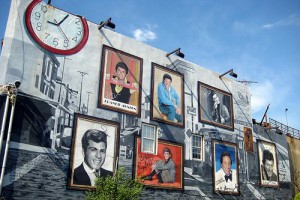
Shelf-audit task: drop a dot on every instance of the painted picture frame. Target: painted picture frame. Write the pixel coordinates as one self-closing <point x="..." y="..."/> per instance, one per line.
<point x="215" y="106"/>
<point x="268" y="164"/>
<point x="225" y="167"/>
<point x="248" y="139"/>
<point x="120" y="81"/>
<point x="147" y="166"/>
<point x="94" y="151"/>
<point x="167" y="104"/>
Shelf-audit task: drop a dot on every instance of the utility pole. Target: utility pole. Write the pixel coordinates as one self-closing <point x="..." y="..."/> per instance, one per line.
<point x="62" y="77"/>
<point x="89" y="93"/>
<point x="82" y="75"/>
<point x="287" y="124"/>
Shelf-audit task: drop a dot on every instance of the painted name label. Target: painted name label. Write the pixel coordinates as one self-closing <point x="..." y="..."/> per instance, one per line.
<point x="120" y="105"/>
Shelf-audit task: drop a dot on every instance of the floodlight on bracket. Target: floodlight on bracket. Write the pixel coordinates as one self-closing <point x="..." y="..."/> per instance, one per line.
<point x="230" y="72"/>
<point x="107" y="23"/>
<point x="177" y="52"/>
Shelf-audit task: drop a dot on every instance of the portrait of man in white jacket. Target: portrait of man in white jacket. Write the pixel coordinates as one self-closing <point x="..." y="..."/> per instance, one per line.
<point x="226" y="177"/>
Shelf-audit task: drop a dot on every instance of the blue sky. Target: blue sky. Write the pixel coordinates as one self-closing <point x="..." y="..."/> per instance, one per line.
<point x="259" y="39"/>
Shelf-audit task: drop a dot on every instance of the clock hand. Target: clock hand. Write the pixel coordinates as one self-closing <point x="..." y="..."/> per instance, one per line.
<point x="62" y="31"/>
<point x="63" y="19"/>
<point x="52" y="23"/>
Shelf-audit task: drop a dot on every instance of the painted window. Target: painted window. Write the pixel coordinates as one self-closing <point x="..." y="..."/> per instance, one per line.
<point x="149" y="138"/>
<point x="197" y="147"/>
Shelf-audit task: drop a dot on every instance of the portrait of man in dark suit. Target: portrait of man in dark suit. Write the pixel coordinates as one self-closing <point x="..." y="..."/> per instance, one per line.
<point x="94" y="151"/>
<point x="268" y="164"/>
<point x="94" y="144"/>
<point x="215" y="106"/>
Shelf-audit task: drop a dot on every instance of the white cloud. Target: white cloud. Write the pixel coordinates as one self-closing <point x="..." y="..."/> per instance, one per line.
<point x="292" y="20"/>
<point x="262" y="95"/>
<point x="144" y="35"/>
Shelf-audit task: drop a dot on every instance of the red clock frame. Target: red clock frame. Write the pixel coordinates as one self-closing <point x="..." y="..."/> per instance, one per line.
<point x="73" y="50"/>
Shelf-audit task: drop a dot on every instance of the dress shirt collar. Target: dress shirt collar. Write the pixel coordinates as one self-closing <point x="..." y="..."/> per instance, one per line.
<point x="90" y="172"/>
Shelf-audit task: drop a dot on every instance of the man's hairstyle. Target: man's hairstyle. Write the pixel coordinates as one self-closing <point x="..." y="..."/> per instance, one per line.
<point x="267" y="155"/>
<point x="94" y="135"/>
<point x="166" y="149"/>
<point x="122" y="65"/>
<point x="225" y="153"/>
<point x="167" y="76"/>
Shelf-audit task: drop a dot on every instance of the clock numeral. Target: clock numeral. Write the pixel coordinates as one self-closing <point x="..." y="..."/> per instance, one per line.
<point x="79" y="32"/>
<point x="47" y="35"/>
<point x="39" y="26"/>
<point x="74" y="39"/>
<point x="66" y="43"/>
<point x="44" y="9"/>
<point x="55" y="41"/>
<point x="37" y="15"/>
<point x="77" y="22"/>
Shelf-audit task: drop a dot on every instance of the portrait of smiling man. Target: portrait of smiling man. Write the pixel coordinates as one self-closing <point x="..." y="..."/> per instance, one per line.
<point x="225" y="167"/>
<point x="94" y="145"/>
<point x="226" y="179"/>
<point x="268" y="167"/>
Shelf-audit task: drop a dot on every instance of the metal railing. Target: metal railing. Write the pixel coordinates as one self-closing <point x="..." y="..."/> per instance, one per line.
<point x="285" y="129"/>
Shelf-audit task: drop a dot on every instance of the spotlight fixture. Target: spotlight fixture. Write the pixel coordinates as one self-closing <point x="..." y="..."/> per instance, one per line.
<point x="177" y="52"/>
<point x="231" y="73"/>
<point x="107" y="23"/>
<point x="17" y="83"/>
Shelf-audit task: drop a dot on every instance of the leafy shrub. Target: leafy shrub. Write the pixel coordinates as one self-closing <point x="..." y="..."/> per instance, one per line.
<point x="297" y="196"/>
<point x="117" y="187"/>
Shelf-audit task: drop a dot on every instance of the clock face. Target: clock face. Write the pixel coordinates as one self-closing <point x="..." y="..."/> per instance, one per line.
<point x="55" y="30"/>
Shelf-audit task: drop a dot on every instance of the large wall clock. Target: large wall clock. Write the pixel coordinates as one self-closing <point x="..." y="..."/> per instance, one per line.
<point x="55" y="30"/>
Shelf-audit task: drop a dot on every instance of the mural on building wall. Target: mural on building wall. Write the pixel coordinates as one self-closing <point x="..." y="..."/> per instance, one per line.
<point x="248" y="139"/>
<point x="215" y="106"/>
<point x="167" y="96"/>
<point x="121" y="81"/>
<point x="162" y="170"/>
<point x="225" y="167"/>
<point x="268" y="166"/>
<point x="242" y="115"/>
<point x="94" y="152"/>
<point x="54" y="87"/>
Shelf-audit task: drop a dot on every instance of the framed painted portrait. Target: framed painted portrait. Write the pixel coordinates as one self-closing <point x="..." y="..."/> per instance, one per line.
<point x="215" y="106"/>
<point x="225" y="168"/>
<point x="163" y="170"/>
<point x="121" y="80"/>
<point x="167" y="96"/>
<point x="94" y="151"/>
<point x="268" y="166"/>
<point x="248" y="139"/>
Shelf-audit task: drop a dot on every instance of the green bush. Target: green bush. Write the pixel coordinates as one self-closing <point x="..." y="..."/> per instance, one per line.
<point x="297" y="196"/>
<point x="118" y="187"/>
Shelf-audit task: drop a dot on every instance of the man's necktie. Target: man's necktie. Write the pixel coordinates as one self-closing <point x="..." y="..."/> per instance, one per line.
<point x="97" y="173"/>
<point x="228" y="177"/>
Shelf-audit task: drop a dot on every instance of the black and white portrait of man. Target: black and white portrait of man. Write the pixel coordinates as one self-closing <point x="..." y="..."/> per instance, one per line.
<point x="94" y="151"/>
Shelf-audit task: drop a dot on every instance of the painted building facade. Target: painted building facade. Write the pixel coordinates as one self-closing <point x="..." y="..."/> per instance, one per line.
<point x="55" y="87"/>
